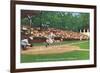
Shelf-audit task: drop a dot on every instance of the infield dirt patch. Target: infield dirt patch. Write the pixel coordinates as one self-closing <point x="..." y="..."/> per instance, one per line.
<point x="35" y="50"/>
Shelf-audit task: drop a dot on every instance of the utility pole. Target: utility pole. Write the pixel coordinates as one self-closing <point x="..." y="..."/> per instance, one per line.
<point x="30" y="21"/>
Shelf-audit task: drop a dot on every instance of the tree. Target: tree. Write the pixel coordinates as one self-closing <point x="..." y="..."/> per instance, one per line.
<point x="61" y="20"/>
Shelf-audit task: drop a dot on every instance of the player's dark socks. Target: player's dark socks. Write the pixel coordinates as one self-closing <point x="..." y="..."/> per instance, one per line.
<point x="31" y="45"/>
<point x="47" y="44"/>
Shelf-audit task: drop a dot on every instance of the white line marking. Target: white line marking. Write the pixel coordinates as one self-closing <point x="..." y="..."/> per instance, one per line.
<point x="76" y="43"/>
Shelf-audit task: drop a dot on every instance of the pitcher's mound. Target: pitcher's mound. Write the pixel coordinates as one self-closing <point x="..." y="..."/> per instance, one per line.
<point x="50" y="49"/>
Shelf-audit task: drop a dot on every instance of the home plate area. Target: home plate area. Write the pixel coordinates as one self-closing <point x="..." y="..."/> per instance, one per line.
<point x="35" y="50"/>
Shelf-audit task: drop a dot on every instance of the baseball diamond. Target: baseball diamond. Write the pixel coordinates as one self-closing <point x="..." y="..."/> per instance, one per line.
<point x="54" y="36"/>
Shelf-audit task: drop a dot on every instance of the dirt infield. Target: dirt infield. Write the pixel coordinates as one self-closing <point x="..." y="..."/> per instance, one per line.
<point x="50" y="49"/>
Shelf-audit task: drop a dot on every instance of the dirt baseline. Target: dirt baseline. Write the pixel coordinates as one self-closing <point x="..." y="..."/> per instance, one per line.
<point x="36" y="50"/>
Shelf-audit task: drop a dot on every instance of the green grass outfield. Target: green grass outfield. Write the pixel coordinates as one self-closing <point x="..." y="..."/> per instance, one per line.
<point x="74" y="55"/>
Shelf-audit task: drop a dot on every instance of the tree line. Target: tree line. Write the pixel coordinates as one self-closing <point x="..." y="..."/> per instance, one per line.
<point x="61" y="20"/>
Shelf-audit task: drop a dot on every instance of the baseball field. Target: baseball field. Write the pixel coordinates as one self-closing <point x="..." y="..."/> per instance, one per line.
<point x="58" y="51"/>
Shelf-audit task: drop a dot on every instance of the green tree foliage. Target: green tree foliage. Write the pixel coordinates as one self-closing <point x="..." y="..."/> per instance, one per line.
<point x="62" y="20"/>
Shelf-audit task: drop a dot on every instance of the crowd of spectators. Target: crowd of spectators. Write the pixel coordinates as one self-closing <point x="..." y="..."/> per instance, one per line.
<point x="64" y="34"/>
